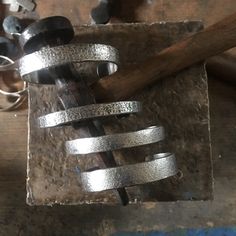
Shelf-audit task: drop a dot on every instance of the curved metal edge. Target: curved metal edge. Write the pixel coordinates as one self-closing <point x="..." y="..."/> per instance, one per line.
<point x="9" y="66"/>
<point x="71" y="53"/>
<point x="88" y="112"/>
<point x="19" y="101"/>
<point x="111" y="142"/>
<point x="23" y="91"/>
<point x="5" y="67"/>
<point x="163" y="166"/>
<point x="46" y="25"/>
<point x="19" y="95"/>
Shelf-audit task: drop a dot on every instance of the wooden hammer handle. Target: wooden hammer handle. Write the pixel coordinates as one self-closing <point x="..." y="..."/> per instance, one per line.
<point x="209" y="42"/>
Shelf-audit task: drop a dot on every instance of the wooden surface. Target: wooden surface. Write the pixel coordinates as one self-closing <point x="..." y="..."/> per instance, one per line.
<point x="16" y="218"/>
<point x="223" y="67"/>
<point x="190" y="50"/>
<point x="179" y="103"/>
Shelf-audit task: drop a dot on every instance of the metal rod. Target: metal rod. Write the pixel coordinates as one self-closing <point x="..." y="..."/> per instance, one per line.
<point x="74" y="92"/>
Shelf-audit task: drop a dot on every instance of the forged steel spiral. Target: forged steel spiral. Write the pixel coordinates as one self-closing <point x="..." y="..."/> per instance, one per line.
<point x="49" y="60"/>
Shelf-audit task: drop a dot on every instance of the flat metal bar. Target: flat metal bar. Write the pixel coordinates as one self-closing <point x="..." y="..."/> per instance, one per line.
<point x="162" y="166"/>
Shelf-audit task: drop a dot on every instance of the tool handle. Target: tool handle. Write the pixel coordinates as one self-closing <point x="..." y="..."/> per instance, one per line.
<point x="198" y="47"/>
<point x="222" y="67"/>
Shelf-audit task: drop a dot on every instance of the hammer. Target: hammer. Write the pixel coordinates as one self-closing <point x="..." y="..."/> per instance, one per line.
<point x="212" y="41"/>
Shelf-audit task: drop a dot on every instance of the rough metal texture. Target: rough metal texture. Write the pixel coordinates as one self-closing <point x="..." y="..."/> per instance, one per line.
<point x="89" y="111"/>
<point x="179" y="103"/>
<point x="61" y="55"/>
<point x="163" y="166"/>
<point x="115" y="141"/>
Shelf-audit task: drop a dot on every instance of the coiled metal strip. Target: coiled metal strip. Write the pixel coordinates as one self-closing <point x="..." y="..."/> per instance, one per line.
<point x="110" y="142"/>
<point x="55" y="56"/>
<point x="163" y="166"/>
<point x="89" y="112"/>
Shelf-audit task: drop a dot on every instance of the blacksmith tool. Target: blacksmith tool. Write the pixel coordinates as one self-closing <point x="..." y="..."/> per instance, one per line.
<point x="209" y="42"/>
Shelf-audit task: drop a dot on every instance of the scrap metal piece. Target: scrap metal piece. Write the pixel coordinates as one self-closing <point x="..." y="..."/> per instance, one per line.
<point x="89" y="112"/>
<point x="14" y="6"/>
<point x="163" y="166"/>
<point x="26" y="4"/>
<point x="101" y="14"/>
<point x="61" y="55"/>
<point x="12" y="25"/>
<point x="110" y="142"/>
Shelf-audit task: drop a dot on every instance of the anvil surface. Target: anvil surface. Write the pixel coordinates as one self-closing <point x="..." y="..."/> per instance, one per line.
<point x="179" y="103"/>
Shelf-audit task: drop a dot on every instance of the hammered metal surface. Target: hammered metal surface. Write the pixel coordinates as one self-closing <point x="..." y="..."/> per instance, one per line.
<point x="55" y="56"/>
<point x="163" y="166"/>
<point x="115" y="141"/>
<point x="178" y="103"/>
<point x="89" y="111"/>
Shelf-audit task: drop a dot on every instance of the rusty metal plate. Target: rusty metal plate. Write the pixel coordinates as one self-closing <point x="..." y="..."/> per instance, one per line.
<point x="179" y="103"/>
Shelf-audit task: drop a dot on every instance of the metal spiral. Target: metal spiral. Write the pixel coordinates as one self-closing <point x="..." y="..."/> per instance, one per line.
<point x="55" y="59"/>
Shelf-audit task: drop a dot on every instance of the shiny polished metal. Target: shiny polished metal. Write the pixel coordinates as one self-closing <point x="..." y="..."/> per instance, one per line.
<point x="110" y="142"/>
<point x="88" y="112"/>
<point x="162" y="166"/>
<point x="65" y="54"/>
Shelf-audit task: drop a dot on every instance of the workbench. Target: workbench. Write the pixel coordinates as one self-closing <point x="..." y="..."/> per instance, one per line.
<point x="17" y="218"/>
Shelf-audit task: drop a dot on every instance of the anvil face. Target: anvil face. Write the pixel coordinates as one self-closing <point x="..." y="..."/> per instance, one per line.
<point x="179" y="103"/>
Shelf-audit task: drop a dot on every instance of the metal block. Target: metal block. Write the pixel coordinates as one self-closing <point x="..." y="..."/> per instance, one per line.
<point x="179" y="103"/>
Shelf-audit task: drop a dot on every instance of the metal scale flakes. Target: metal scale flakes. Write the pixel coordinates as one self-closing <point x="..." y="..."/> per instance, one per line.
<point x="180" y="104"/>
